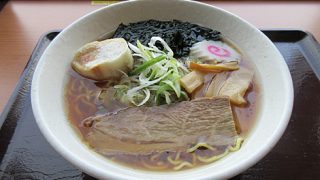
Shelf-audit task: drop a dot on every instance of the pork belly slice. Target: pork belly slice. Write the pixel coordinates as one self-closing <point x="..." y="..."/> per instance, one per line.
<point x="175" y="127"/>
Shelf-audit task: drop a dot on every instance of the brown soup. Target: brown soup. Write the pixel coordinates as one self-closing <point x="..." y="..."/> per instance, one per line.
<point x="82" y="96"/>
<point x="81" y="102"/>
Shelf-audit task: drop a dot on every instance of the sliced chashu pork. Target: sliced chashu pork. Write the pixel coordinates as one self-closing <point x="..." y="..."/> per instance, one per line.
<point x="176" y="127"/>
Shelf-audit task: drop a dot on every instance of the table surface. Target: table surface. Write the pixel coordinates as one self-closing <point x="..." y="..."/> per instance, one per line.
<point x="23" y="22"/>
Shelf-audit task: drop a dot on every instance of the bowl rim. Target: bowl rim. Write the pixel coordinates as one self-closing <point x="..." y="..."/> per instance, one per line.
<point x="96" y="172"/>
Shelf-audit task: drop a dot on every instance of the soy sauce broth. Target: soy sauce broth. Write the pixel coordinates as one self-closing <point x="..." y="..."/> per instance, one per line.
<point x="80" y="99"/>
<point x="81" y="102"/>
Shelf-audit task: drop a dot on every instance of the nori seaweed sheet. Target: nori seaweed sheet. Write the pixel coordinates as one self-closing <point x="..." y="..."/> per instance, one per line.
<point x="179" y="35"/>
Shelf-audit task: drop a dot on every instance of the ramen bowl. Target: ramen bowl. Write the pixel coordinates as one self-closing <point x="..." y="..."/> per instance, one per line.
<point x="51" y="75"/>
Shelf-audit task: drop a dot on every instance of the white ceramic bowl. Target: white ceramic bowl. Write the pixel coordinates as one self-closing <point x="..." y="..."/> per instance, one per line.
<point x="276" y="93"/>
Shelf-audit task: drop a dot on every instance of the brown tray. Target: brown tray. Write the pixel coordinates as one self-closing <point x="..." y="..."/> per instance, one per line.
<point x="25" y="154"/>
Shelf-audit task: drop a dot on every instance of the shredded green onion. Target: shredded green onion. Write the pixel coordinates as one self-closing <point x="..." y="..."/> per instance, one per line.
<point x="155" y="77"/>
<point x="147" y="64"/>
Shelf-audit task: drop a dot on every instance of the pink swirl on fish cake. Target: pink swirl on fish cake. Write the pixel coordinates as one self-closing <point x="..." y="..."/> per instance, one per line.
<point x="218" y="51"/>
